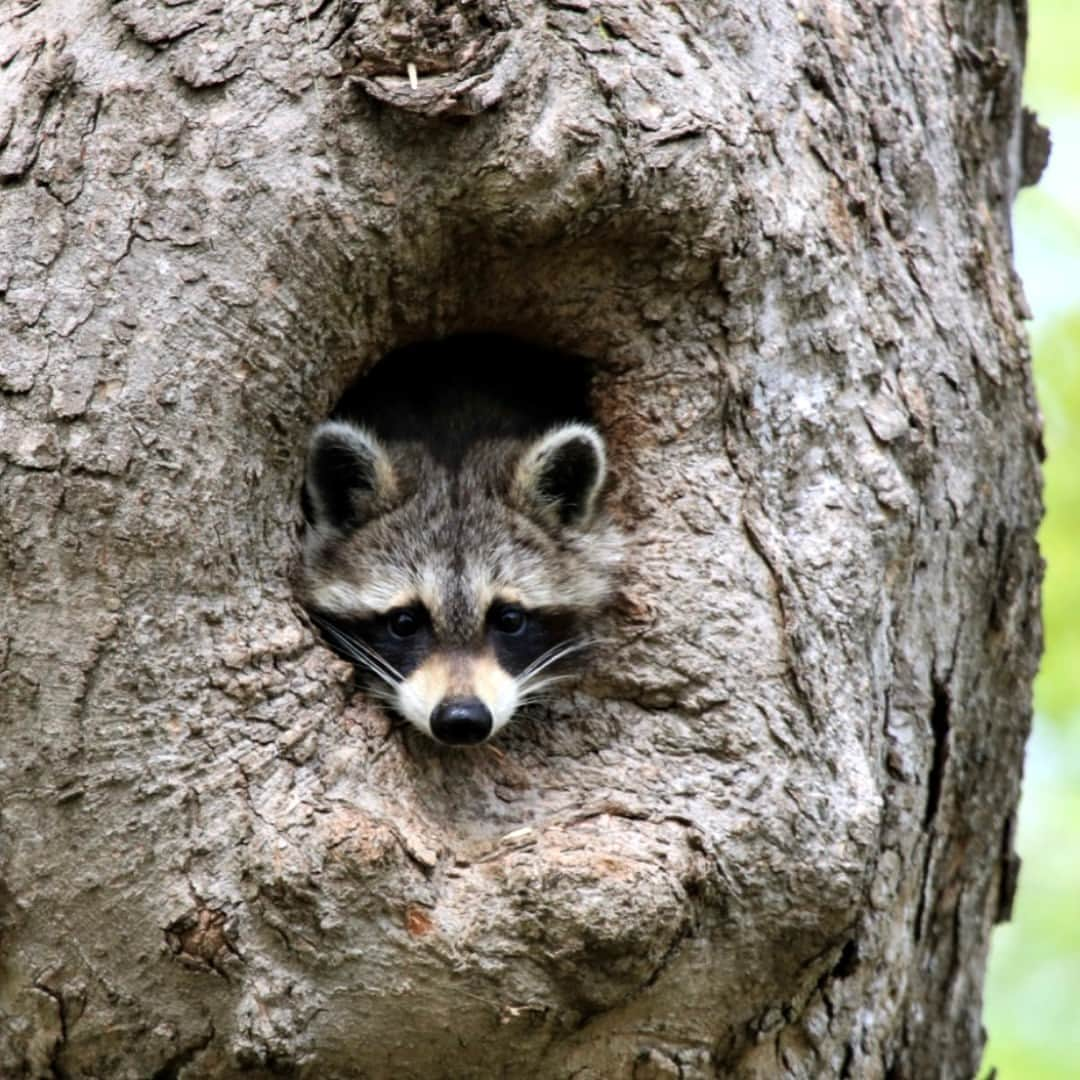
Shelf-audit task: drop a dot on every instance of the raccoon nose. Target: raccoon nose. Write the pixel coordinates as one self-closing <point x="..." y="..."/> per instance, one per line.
<point x="461" y="721"/>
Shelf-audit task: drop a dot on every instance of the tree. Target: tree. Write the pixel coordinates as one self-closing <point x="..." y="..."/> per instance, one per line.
<point x="770" y="834"/>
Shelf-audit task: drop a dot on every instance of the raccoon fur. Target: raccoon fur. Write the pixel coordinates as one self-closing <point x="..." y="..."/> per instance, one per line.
<point x="456" y="546"/>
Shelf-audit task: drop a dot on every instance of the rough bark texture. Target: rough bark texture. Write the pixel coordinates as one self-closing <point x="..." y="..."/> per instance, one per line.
<point x="771" y="833"/>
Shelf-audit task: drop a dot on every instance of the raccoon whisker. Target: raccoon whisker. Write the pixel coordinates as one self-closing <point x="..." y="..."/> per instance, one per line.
<point x="546" y="659"/>
<point x="530" y="690"/>
<point x="396" y="689"/>
<point x="553" y="655"/>
<point x="406" y="692"/>
<point x="361" y="653"/>
<point x="536" y="697"/>
<point x="390" y="697"/>
<point x="392" y="677"/>
<point x="537" y="680"/>
<point x="373" y="659"/>
<point x="344" y="639"/>
<point x="382" y="691"/>
<point x="372" y="665"/>
<point x="533" y="683"/>
<point x="597" y="641"/>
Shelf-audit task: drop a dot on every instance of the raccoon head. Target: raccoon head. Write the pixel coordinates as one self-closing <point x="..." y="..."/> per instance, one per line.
<point x="461" y="588"/>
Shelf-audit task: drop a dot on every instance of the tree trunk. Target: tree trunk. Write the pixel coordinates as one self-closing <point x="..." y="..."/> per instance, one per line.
<point x="771" y="831"/>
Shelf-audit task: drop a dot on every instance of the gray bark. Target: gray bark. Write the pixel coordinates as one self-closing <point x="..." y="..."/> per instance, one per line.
<point x="770" y="833"/>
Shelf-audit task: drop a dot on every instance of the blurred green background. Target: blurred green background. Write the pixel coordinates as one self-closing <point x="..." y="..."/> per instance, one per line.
<point x="1032" y="1010"/>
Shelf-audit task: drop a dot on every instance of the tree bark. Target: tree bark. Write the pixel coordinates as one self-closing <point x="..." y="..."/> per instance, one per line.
<point x="771" y="832"/>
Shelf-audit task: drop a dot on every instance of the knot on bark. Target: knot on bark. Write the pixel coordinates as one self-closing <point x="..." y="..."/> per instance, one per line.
<point x="434" y="57"/>
<point x="202" y="939"/>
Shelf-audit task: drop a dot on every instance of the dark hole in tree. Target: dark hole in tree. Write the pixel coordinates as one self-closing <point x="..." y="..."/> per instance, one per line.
<point x="478" y="385"/>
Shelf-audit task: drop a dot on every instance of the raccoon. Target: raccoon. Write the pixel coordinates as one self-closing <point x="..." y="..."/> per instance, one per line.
<point x="457" y="546"/>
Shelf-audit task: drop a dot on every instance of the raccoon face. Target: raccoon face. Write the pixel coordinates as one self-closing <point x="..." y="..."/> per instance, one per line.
<point x="461" y="589"/>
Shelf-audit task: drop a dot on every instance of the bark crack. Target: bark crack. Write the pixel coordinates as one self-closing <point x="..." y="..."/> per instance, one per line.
<point x="939" y="727"/>
<point x="782" y="588"/>
<point x="56" y="1068"/>
<point x="1009" y="863"/>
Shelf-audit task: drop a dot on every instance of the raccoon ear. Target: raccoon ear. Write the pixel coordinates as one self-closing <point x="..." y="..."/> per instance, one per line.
<point x="560" y="475"/>
<point x="349" y="477"/>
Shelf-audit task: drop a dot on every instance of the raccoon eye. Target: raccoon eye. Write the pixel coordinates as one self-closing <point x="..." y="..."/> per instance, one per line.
<point x="404" y="622"/>
<point x="508" y="618"/>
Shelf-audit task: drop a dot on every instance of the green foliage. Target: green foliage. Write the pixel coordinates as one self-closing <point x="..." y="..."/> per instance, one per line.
<point x="1033" y="985"/>
<point x="1057" y="374"/>
<point x="1033" y="989"/>
<point x="1052" y="79"/>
